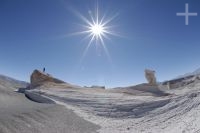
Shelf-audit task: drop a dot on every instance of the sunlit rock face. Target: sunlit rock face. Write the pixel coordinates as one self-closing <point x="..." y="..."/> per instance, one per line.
<point x="39" y="78"/>
<point x="150" y="76"/>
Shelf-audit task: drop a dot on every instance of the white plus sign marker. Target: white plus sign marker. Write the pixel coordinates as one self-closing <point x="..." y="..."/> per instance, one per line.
<point x="186" y="14"/>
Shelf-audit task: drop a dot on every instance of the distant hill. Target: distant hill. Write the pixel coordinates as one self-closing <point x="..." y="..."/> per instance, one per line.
<point x="183" y="80"/>
<point x="196" y="72"/>
<point x="11" y="83"/>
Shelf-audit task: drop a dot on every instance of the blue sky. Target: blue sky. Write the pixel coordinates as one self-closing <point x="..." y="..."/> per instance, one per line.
<point x="37" y="33"/>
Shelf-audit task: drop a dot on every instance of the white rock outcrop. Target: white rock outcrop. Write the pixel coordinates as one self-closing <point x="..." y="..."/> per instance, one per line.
<point x="150" y="76"/>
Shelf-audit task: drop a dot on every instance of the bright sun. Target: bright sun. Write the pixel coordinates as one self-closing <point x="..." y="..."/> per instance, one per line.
<point x="97" y="29"/>
<point x="97" y="26"/>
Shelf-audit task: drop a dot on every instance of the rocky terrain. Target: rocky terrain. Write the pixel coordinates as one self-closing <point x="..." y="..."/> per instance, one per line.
<point x="144" y="108"/>
<point x="20" y="115"/>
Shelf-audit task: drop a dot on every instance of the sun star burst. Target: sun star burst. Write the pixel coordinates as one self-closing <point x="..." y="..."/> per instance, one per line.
<point x="97" y="29"/>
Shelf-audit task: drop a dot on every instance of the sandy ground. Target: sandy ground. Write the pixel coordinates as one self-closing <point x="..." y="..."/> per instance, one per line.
<point x="124" y="113"/>
<point x="20" y="115"/>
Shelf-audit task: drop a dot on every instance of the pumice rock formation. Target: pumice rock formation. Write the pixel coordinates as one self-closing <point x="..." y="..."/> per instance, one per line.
<point x="38" y="78"/>
<point x="150" y="76"/>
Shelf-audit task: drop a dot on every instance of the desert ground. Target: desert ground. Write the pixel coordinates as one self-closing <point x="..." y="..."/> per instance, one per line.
<point x="20" y="115"/>
<point x="120" y="112"/>
<point x="61" y="107"/>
